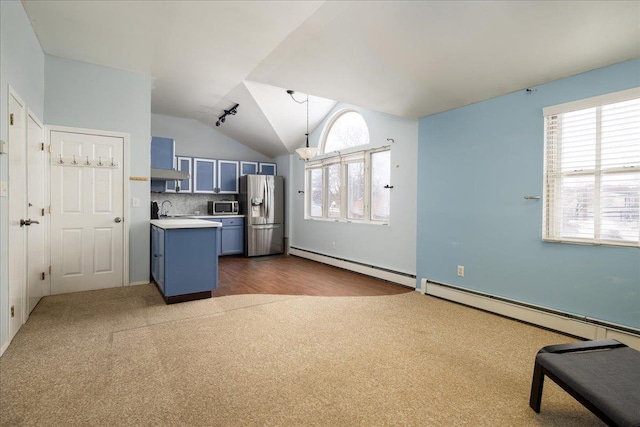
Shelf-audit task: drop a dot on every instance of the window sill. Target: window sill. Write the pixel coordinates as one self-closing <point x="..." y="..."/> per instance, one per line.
<point x="593" y="243"/>
<point x="346" y="221"/>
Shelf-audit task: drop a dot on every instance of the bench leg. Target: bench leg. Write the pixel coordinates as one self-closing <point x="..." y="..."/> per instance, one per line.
<point x="536" y="388"/>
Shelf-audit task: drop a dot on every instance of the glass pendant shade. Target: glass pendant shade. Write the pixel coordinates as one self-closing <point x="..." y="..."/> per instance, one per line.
<point x="307" y="152"/>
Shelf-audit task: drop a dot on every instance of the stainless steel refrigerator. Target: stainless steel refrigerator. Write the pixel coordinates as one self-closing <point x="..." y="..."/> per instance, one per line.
<point x="262" y="203"/>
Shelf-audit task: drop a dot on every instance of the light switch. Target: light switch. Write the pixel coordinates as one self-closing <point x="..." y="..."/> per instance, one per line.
<point x="4" y="189"/>
<point x="135" y="202"/>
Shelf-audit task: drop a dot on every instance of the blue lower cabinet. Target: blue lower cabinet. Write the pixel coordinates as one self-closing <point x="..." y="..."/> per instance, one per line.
<point x="231" y="236"/>
<point x="232" y="240"/>
<point x="157" y="256"/>
<point x="184" y="262"/>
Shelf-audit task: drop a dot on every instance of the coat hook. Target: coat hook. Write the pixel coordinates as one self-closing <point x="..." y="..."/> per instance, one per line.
<point x="99" y="161"/>
<point x="112" y="164"/>
<point x="391" y="140"/>
<point x="61" y="161"/>
<point x="74" y="162"/>
<point x="300" y="192"/>
<point x="87" y="162"/>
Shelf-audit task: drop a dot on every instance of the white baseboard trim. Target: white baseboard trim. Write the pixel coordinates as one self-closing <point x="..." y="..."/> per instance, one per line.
<point x="4" y="347"/>
<point x="355" y="267"/>
<point x="565" y="323"/>
<point x="144" y="282"/>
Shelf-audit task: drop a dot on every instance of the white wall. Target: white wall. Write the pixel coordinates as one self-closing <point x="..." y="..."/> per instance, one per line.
<point x="22" y="67"/>
<point x="83" y="95"/>
<point x="196" y="139"/>
<point x="390" y="246"/>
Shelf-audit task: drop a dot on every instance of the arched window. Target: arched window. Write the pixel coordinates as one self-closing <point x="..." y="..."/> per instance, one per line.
<point x="350" y="185"/>
<point x="347" y="129"/>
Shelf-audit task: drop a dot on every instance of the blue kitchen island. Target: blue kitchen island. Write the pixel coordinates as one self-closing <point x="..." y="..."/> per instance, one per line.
<point x="184" y="258"/>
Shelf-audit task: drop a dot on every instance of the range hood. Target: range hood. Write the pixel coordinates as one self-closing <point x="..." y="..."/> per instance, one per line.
<point x="168" y="174"/>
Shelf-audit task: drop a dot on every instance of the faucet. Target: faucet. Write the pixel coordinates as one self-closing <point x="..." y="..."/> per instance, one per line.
<point x="162" y="208"/>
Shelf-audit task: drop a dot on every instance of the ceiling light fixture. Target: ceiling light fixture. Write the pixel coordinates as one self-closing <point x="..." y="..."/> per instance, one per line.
<point x="231" y="112"/>
<point x="306" y="152"/>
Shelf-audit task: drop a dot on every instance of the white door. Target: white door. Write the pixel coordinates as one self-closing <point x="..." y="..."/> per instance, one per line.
<point x="37" y="208"/>
<point x="86" y="211"/>
<point x="17" y="213"/>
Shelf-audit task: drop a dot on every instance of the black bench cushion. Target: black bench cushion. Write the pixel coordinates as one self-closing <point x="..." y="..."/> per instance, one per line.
<point x="608" y="378"/>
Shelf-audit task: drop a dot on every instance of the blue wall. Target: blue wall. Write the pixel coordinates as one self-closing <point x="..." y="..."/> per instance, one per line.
<point x="83" y="95"/>
<point x="476" y="164"/>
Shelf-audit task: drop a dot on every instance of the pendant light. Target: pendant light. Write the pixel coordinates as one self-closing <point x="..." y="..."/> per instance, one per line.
<point x="306" y="152"/>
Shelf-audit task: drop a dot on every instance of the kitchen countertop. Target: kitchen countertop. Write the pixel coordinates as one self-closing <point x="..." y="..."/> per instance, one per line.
<point x="218" y="216"/>
<point x="173" y="217"/>
<point x="184" y="223"/>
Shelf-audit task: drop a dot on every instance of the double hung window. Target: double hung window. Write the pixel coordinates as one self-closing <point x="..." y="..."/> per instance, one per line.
<point x="592" y="170"/>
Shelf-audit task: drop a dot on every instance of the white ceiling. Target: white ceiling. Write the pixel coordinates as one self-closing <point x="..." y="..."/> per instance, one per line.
<point x="408" y="58"/>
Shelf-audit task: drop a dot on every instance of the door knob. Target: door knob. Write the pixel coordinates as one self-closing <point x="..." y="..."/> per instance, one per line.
<point x="24" y="222"/>
<point x="118" y="219"/>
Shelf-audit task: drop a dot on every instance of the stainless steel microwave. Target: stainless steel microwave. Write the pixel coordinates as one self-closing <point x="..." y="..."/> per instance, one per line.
<point x="223" y="207"/>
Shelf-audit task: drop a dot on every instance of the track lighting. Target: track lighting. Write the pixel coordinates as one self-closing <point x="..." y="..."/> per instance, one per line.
<point x="231" y="112"/>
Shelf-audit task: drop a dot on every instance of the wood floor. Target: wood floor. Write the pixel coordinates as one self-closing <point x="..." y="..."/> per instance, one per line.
<point x="290" y="275"/>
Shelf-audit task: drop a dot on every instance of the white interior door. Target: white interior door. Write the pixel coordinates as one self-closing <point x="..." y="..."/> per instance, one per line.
<point x="37" y="207"/>
<point x="87" y="232"/>
<point x="17" y="211"/>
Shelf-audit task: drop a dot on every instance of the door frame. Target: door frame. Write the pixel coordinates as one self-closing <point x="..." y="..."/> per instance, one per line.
<point x="14" y="323"/>
<point x="46" y="219"/>
<point x="125" y="183"/>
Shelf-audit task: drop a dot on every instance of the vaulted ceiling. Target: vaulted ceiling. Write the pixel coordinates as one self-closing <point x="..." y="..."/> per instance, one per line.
<point x="407" y="58"/>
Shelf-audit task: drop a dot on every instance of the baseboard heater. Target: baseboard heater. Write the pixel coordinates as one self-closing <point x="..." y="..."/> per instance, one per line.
<point x="568" y="323"/>
<point x="400" y="278"/>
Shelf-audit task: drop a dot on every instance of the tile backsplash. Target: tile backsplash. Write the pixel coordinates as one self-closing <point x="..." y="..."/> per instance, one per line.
<point x="185" y="203"/>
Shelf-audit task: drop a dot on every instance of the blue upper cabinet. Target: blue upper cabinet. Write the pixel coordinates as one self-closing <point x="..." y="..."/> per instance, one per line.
<point x="228" y="174"/>
<point x="204" y="176"/>
<point x="184" y="165"/>
<point x="267" y="168"/>
<point x="162" y="157"/>
<point x="248" y="168"/>
<point x="163" y="153"/>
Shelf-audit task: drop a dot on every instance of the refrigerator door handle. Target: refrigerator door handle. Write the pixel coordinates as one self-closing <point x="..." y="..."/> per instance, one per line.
<point x="265" y="227"/>
<point x="267" y="200"/>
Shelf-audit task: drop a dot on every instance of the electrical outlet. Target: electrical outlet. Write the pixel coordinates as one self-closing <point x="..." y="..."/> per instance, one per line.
<point x="135" y="202"/>
<point x="13" y="311"/>
<point x="461" y="270"/>
<point x="333" y="245"/>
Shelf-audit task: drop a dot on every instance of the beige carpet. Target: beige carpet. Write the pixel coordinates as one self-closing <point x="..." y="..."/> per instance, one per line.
<point x="122" y="357"/>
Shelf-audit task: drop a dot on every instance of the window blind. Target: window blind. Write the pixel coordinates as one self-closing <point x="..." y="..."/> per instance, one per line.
<point x="592" y="171"/>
